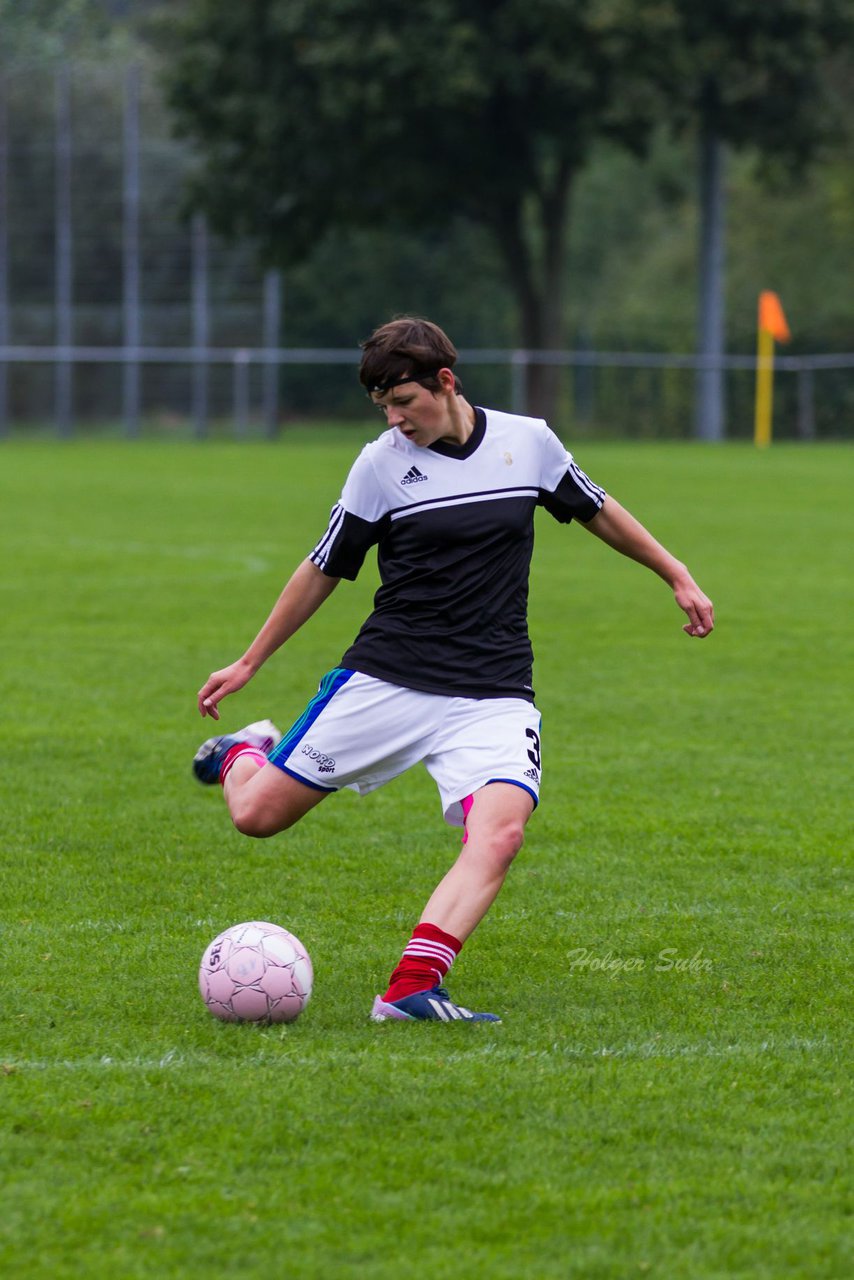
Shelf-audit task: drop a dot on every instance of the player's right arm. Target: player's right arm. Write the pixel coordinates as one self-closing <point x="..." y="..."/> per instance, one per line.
<point x="302" y="596"/>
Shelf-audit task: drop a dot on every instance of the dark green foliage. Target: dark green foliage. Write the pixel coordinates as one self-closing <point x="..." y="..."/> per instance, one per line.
<point x="755" y="74"/>
<point x="629" y="273"/>
<point x="314" y="115"/>
<point x="309" y="114"/>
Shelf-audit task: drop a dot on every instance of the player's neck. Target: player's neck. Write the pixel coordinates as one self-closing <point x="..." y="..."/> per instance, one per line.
<point x="461" y="424"/>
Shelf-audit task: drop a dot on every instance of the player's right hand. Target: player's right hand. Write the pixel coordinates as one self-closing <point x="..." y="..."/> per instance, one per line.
<point x="220" y="684"/>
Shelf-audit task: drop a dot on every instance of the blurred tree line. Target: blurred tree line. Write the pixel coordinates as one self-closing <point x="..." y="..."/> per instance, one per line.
<point x="627" y="272"/>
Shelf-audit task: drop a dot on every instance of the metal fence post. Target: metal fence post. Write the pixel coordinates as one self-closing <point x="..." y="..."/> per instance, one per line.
<point x="63" y="261"/>
<point x="518" y="381"/>
<point x="4" y="261"/>
<point x="806" y="403"/>
<point x="582" y="381"/>
<point x="271" y="373"/>
<point x="130" y="254"/>
<point x="240" y="376"/>
<point x="710" y="412"/>
<point x="201" y="325"/>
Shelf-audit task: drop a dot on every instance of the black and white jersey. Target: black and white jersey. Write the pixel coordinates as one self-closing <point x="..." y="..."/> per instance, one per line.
<point x="454" y="530"/>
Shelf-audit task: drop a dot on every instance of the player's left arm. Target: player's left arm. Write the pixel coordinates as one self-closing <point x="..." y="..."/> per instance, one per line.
<point x="619" y="529"/>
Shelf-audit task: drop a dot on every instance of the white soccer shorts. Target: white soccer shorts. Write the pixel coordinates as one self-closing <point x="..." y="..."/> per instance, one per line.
<point x="360" y="732"/>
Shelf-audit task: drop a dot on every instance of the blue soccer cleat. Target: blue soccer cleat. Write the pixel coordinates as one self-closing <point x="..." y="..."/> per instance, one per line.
<point x="434" y="1005"/>
<point x="207" y="762"/>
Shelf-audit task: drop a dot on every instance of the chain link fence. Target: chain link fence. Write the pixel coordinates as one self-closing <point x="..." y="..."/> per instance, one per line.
<point x="246" y="391"/>
<point x="119" y="314"/>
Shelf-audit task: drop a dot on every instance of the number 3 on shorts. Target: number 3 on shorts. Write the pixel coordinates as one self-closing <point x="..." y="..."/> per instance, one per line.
<point x="534" y="749"/>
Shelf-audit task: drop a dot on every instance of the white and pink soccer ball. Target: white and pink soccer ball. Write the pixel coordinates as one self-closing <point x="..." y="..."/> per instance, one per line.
<point x="255" y="972"/>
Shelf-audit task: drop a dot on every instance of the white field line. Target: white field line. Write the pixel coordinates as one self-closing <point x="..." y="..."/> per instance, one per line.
<point x="220" y="555"/>
<point x="176" y="1059"/>
<point x="120" y="926"/>
<point x="34" y="928"/>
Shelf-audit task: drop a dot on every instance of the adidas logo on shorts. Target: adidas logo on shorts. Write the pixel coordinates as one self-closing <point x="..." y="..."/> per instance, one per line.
<point x="532" y="774"/>
<point x="414" y="476"/>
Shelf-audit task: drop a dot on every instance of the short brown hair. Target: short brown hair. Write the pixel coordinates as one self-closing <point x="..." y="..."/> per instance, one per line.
<point x="407" y="349"/>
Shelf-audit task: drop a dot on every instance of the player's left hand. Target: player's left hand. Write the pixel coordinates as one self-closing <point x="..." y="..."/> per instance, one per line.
<point x="699" y="608"/>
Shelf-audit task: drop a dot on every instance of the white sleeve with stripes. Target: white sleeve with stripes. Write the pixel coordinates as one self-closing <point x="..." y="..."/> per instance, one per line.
<point x="355" y="522"/>
<point x="566" y="491"/>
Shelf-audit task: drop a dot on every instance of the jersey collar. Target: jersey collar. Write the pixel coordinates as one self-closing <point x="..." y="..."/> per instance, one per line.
<point x="463" y="451"/>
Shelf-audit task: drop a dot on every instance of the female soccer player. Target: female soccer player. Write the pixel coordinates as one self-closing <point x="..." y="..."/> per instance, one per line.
<point x="441" y="670"/>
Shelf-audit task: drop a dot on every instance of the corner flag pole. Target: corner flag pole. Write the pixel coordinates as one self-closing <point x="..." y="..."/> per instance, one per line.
<point x="771" y="326"/>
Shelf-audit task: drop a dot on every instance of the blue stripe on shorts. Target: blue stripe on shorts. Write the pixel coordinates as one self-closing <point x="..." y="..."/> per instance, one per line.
<point x="514" y="782"/>
<point x="329" y="686"/>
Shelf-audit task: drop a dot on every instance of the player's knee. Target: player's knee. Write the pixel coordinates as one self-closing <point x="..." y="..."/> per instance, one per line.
<point x="506" y="839"/>
<point x="257" y="821"/>
<point x="513" y="838"/>
<point x="250" y="824"/>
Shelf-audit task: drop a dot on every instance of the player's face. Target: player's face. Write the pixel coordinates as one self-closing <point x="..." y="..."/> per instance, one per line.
<point x="419" y="414"/>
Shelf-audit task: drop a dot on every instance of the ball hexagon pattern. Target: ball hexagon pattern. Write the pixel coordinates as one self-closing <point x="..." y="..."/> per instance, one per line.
<point x="255" y="972"/>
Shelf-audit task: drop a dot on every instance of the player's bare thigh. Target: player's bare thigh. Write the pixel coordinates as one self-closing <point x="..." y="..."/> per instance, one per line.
<point x="270" y="801"/>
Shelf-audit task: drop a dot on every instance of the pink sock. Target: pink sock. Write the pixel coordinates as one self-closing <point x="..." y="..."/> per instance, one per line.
<point x="234" y="753"/>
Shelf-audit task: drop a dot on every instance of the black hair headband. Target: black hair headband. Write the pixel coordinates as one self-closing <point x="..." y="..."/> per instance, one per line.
<point x="380" y="388"/>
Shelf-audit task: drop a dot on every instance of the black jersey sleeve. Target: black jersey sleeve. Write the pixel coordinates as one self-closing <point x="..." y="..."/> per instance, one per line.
<point x="356" y="523"/>
<point x="566" y="492"/>
<point x="341" y="551"/>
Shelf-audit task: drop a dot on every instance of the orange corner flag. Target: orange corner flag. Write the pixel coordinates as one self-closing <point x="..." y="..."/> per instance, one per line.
<point x="771" y="317"/>
<point x="772" y="328"/>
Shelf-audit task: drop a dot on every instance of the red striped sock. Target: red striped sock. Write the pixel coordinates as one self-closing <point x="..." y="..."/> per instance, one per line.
<point x="426" y="959"/>
<point x="234" y="753"/>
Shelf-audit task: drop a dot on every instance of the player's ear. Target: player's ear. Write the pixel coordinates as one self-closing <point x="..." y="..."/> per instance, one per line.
<point x="447" y="380"/>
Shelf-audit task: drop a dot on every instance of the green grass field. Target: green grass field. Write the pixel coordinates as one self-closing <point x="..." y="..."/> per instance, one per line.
<point x="669" y="1092"/>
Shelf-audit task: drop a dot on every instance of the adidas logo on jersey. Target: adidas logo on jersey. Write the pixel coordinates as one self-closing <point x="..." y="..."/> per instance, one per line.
<point x="414" y="476"/>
